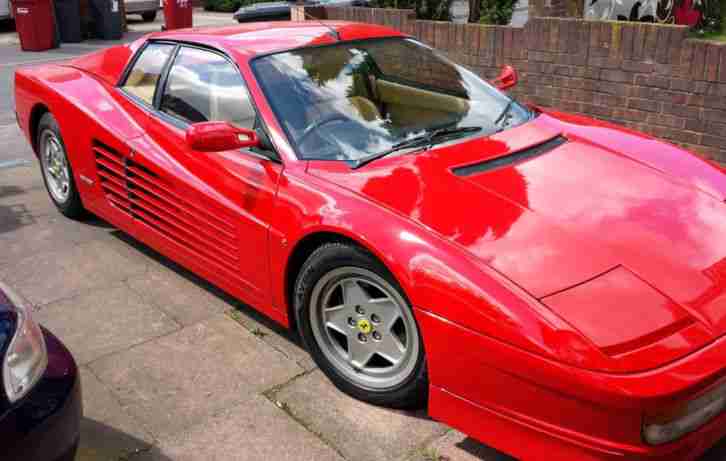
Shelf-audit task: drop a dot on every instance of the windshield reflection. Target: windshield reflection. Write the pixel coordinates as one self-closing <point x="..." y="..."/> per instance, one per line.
<point x="350" y="100"/>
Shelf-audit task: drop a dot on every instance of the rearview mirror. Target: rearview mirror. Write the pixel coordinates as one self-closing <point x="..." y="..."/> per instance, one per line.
<point x="220" y="136"/>
<point x="507" y="78"/>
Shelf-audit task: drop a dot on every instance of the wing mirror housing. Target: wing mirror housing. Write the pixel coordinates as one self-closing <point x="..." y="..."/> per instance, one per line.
<point x="220" y="136"/>
<point x="507" y="78"/>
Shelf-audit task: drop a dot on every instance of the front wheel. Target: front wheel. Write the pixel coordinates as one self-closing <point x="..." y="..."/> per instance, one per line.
<point x="360" y="328"/>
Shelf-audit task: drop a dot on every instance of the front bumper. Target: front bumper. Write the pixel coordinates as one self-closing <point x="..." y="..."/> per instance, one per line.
<point x="536" y="409"/>
<point x="45" y="424"/>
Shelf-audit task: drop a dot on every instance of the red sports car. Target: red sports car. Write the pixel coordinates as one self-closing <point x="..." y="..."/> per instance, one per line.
<point x="547" y="283"/>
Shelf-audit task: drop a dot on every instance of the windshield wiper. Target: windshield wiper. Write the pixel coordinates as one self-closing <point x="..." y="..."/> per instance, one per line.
<point x="502" y="115"/>
<point x="426" y="139"/>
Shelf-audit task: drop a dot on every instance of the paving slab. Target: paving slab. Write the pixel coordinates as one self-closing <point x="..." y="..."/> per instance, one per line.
<point x="254" y="430"/>
<point x="107" y="432"/>
<point x="68" y="271"/>
<point x="38" y="234"/>
<point x="181" y="295"/>
<point x="175" y="381"/>
<point x="276" y="336"/>
<point x="104" y="321"/>
<point x="15" y="145"/>
<point x="359" y="431"/>
<point x="455" y="446"/>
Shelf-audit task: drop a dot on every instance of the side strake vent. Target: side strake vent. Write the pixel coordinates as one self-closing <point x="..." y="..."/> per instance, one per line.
<point x="143" y="195"/>
<point x="510" y="159"/>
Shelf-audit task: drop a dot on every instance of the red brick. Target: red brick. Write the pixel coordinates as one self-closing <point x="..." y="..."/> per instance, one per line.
<point x="712" y="58"/>
<point x="695" y="125"/>
<point x="651" y="41"/>
<point x="713" y="141"/>
<point x="613" y="75"/>
<point x="681" y="84"/>
<point x="604" y="62"/>
<point x="714" y="115"/>
<point x="699" y="60"/>
<point x="643" y="104"/>
<point x="637" y="66"/>
<point x="666" y="120"/>
<point x="657" y="82"/>
<point x="722" y="66"/>
<point x="627" y="42"/>
<point x="472" y="38"/>
<point x="681" y="110"/>
<point x="690" y="137"/>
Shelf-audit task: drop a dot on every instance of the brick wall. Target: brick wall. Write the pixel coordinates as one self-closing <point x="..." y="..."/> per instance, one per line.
<point x="645" y="76"/>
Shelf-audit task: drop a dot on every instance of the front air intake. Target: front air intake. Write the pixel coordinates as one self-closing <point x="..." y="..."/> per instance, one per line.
<point x="510" y="159"/>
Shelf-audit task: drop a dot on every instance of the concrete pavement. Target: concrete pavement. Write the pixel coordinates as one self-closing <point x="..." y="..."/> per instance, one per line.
<point x="172" y="368"/>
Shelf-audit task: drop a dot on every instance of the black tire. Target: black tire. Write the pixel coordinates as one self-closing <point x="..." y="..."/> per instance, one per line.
<point x="410" y="393"/>
<point x="72" y="207"/>
<point x="148" y="16"/>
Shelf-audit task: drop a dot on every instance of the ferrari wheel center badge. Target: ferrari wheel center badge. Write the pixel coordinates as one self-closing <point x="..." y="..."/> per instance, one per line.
<point x="364" y="326"/>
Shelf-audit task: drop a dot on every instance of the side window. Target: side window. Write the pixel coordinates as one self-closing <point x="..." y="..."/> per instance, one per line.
<point x="203" y="86"/>
<point x="141" y="81"/>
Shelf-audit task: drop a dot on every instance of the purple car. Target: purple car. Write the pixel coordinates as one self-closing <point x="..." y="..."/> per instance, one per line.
<point x="40" y="391"/>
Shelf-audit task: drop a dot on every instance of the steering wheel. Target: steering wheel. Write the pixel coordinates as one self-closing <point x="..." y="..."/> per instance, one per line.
<point x="334" y="117"/>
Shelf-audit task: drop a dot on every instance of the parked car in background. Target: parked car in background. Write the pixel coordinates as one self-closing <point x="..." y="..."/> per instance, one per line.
<point x="40" y="395"/>
<point x="5" y="10"/>
<point x="146" y="8"/>
<point x="550" y="284"/>
<point x="266" y="11"/>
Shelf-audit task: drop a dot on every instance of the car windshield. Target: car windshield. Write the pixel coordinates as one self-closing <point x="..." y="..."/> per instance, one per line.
<point x="354" y="100"/>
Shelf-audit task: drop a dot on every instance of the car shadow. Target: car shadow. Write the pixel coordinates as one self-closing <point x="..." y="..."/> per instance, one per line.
<point x="99" y="441"/>
<point x="13" y="217"/>
<point x="233" y="302"/>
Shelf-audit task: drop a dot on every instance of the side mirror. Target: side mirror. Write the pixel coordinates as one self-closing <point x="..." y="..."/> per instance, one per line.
<point x="507" y="78"/>
<point x="220" y="136"/>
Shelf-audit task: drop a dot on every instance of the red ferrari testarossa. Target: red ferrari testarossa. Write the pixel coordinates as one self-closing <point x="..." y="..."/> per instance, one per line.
<point x="552" y="285"/>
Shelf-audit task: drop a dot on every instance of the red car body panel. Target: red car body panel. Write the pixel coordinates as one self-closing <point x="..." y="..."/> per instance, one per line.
<point x="518" y="276"/>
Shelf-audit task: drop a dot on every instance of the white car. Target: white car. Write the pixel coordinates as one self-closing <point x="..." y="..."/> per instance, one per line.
<point x="146" y="8"/>
<point x="5" y="9"/>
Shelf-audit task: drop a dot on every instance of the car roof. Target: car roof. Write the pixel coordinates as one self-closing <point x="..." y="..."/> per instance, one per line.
<point x="266" y="37"/>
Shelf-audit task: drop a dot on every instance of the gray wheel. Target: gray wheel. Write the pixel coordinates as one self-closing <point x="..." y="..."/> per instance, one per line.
<point x="54" y="163"/>
<point x="360" y="328"/>
<point x="56" y="169"/>
<point x="363" y="326"/>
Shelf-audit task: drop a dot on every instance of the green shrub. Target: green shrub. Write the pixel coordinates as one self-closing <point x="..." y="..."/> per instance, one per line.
<point x="496" y="11"/>
<point x="437" y="10"/>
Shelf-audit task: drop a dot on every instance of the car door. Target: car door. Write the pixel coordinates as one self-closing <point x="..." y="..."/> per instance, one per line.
<point x="210" y="209"/>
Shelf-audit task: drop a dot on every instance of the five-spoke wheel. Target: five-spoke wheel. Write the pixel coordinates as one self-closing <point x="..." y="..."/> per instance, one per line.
<point x="359" y="326"/>
<point x="56" y="168"/>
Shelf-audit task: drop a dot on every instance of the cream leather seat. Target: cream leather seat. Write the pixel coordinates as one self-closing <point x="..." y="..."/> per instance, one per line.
<point x="365" y="107"/>
<point x="142" y="85"/>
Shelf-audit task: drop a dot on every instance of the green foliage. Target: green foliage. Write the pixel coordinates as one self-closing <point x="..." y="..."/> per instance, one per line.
<point x="496" y="11"/>
<point x="490" y="11"/>
<point x="437" y="10"/>
<point x="713" y="12"/>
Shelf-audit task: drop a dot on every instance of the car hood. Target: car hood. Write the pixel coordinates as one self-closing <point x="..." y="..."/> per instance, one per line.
<point x="571" y="209"/>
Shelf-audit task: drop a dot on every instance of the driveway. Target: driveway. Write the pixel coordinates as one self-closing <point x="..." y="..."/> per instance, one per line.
<point x="172" y="368"/>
